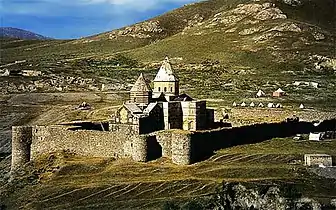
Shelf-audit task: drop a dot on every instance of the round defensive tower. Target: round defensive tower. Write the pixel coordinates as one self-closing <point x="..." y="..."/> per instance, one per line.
<point x="140" y="148"/>
<point x="21" y="141"/>
<point x="181" y="148"/>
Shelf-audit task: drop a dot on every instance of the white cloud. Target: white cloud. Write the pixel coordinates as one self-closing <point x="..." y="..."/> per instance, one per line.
<point x="141" y="5"/>
<point x="22" y="6"/>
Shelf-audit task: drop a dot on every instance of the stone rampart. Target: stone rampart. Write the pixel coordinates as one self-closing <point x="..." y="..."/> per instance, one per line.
<point x="30" y="142"/>
<point x="183" y="147"/>
<point x="82" y="142"/>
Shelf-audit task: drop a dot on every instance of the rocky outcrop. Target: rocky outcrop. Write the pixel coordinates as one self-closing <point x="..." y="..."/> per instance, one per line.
<point x="196" y="20"/>
<point x="285" y="27"/>
<point x="323" y="63"/>
<point x="141" y="30"/>
<point x="267" y="36"/>
<point x="293" y="2"/>
<point x="58" y="83"/>
<point x="271" y="13"/>
<point x="237" y="196"/>
<point x="249" y="31"/>
<point x="247" y="14"/>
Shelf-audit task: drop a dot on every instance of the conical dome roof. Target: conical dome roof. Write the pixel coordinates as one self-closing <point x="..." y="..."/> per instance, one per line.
<point x="165" y="73"/>
<point x="141" y="85"/>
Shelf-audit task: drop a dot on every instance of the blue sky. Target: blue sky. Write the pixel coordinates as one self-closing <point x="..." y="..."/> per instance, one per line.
<point x="65" y="19"/>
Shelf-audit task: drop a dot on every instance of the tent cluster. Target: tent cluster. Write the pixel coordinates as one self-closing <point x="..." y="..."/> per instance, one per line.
<point x="277" y="93"/>
<point x="261" y="105"/>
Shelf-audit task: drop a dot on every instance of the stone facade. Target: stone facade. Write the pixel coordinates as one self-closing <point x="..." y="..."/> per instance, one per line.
<point x="170" y="88"/>
<point x="318" y="159"/>
<point x="194" y="115"/>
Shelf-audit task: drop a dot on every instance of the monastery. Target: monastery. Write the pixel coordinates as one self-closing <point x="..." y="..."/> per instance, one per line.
<point x="148" y="126"/>
<point x="162" y="108"/>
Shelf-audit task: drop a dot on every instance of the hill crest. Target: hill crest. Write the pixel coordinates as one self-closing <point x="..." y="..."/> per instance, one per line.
<point x="16" y="33"/>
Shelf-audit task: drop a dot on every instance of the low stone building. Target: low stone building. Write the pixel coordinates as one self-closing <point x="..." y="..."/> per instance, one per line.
<point x="318" y="160"/>
<point x="31" y="73"/>
<point x="315" y="136"/>
<point x="279" y="93"/>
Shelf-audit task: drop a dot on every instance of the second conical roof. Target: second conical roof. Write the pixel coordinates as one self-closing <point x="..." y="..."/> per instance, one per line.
<point x="141" y="85"/>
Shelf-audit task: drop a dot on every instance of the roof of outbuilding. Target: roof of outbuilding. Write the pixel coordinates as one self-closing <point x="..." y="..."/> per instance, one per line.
<point x="279" y="91"/>
<point x="165" y="73"/>
<point x="133" y="108"/>
<point x="141" y="85"/>
<point x="150" y="107"/>
<point x="183" y="97"/>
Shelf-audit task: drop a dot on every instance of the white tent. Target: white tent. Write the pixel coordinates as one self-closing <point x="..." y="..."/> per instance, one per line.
<point x="243" y="104"/>
<point x="270" y="105"/>
<point x="252" y="104"/>
<point x="302" y="106"/>
<point x="234" y="104"/>
<point x="278" y="106"/>
<point x="260" y="93"/>
<point x="261" y="105"/>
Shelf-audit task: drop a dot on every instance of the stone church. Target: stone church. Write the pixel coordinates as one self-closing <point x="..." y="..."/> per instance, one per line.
<point x="161" y="108"/>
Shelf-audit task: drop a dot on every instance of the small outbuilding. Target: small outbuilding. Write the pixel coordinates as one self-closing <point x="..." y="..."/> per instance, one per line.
<point x="315" y="84"/>
<point x="234" y="104"/>
<point x="322" y="160"/>
<point x="302" y="106"/>
<point x="315" y="136"/>
<point x="4" y="73"/>
<point x="252" y="104"/>
<point x="243" y="104"/>
<point x="279" y="93"/>
<point x="261" y="105"/>
<point x="84" y="106"/>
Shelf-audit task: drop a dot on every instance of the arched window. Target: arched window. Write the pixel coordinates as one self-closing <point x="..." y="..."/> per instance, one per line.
<point x="165" y="89"/>
<point x="171" y="89"/>
<point x="159" y="88"/>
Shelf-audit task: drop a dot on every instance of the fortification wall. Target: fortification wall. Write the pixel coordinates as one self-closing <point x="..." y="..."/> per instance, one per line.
<point x="30" y="142"/>
<point x="81" y="142"/>
<point x="183" y="147"/>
